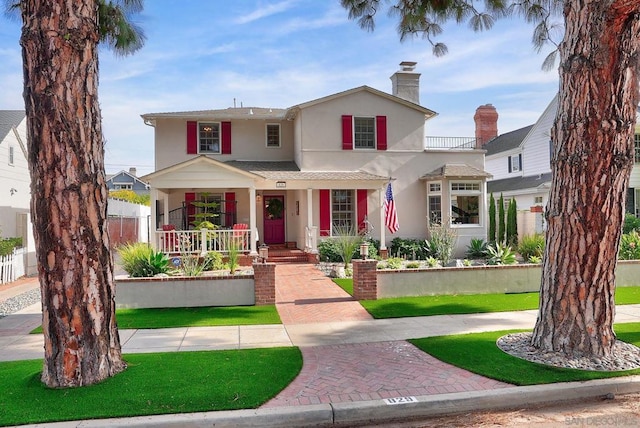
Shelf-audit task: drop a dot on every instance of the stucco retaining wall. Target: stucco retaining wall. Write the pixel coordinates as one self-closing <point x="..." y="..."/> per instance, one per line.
<point x="478" y="280"/>
<point x="178" y="292"/>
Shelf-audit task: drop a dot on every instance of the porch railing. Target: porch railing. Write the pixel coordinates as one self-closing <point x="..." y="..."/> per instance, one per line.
<point x="451" y="143"/>
<point x="202" y="241"/>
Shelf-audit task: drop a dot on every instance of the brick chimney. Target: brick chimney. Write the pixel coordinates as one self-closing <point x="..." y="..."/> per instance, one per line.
<point x="133" y="171"/>
<point x="486" y="119"/>
<point x="405" y="83"/>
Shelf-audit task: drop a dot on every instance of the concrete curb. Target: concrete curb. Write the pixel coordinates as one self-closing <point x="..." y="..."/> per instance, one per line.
<point x="325" y="415"/>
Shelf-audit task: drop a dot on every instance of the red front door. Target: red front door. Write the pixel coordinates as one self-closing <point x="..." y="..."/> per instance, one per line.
<point x="273" y="219"/>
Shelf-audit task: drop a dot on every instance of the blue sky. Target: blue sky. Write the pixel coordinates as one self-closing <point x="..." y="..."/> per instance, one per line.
<point x="278" y="53"/>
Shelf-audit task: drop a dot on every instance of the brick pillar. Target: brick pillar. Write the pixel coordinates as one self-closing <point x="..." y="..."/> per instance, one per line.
<point x="264" y="275"/>
<point x="486" y="119"/>
<point x="365" y="280"/>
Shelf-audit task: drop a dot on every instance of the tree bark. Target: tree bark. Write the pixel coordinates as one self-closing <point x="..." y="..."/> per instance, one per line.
<point x="592" y="161"/>
<point x="69" y="194"/>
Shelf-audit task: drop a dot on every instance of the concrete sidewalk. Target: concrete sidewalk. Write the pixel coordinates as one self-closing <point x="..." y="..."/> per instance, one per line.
<point x="355" y="370"/>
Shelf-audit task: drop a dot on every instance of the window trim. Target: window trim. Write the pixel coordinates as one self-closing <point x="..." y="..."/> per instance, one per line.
<point x="513" y="160"/>
<point x="266" y="133"/>
<point x="210" y="152"/>
<point x="375" y="133"/>
<point x="636" y="147"/>
<point x="467" y="192"/>
<point x="433" y="193"/>
<point x="352" y="202"/>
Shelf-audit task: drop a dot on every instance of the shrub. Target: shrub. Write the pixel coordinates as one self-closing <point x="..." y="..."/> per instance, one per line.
<point x="512" y="224"/>
<point x="631" y="223"/>
<point x="432" y="262"/>
<point x="531" y="245"/>
<point x="413" y="265"/>
<point x="630" y="246"/>
<point x="500" y="254"/>
<point x="328" y="251"/>
<point x="190" y="265"/>
<point x="492" y="219"/>
<point x="232" y="255"/>
<point x="8" y="244"/>
<point x="394" y="263"/>
<point x="213" y="261"/>
<point x="410" y="249"/>
<point x="501" y="225"/>
<point x="477" y="248"/>
<point x="347" y="242"/>
<point x="441" y="243"/>
<point x="140" y="260"/>
<point x="535" y="260"/>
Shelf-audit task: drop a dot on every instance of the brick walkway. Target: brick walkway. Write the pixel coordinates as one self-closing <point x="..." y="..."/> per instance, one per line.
<point x="356" y="372"/>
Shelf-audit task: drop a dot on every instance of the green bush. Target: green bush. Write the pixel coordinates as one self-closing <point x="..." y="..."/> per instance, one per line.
<point x="140" y="260"/>
<point x="631" y="223"/>
<point x="394" y="263"/>
<point x="531" y="245"/>
<point x="328" y="251"/>
<point x="477" y="248"/>
<point x="213" y="261"/>
<point x="442" y="242"/>
<point x="8" y="244"/>
<point x="500" y="254"/>
<point x="630" y="246"/>
<point x="409" y="249"/>
<point x="433" y="262"/>
<point x="413" y="265"/>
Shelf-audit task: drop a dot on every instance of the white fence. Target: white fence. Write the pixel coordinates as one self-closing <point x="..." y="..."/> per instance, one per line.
<point x="12" y="265"/>
<point x="202" y="241"/>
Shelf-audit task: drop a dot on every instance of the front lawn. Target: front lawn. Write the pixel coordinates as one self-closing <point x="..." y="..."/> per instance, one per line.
<point x="153" y="384"/>
<point x="478" y="353"/>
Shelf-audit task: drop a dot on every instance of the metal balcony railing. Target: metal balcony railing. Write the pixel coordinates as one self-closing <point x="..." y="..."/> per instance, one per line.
<point x="451" y="143"/>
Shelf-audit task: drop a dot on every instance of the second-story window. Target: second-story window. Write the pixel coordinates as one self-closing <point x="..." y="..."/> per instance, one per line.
<point x="209" y="137"/>
<point x="11" y="156"/>
<point x="636" y="140"/>
<point x="273" y="135"/>
<point x="364" y="133"/>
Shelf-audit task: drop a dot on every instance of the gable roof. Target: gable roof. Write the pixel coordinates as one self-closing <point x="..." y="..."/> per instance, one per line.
<point x="519" y="183"/>
<point x="508" y="141"/>
<point x="8" y="120"/>
<point x="110" y="177"/>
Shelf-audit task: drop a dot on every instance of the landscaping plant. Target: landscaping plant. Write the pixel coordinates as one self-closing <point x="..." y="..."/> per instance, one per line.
<point x="501" y="231"/>
<point x="500" y="254"/>
<point x="213" y="261"/>
<point x="512" y="224"/>
<point x="477" y="248"/>
<point x="531" y="245"/>
<point x="409" y="249"/>
<point x="630" y="246"/>
<point x="394" y="263"/>
<point x="347" y="242"/>
<point x="140" y="260"/>
<point x="442" y="242"/>
<point x="631" y="223"/>
<point x="492" y="218"/>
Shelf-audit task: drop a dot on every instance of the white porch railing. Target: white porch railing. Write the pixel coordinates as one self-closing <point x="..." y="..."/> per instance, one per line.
<point x="311" y="239"/>
<point x="12" y="265"/>
<point x="202" y="241"/>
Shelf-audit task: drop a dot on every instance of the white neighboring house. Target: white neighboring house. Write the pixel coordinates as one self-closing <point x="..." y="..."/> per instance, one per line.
<point x="15" y="183"/>
<point x="520" y="162"/>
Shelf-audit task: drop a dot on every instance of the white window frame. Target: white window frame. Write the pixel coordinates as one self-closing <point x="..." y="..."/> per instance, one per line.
<point x="636" y="147"/>
<point x="434" y="190"/>
<point x="11" y="155"/>
<point x="466" y="188"/>
<point x="351" y="194"/>
<point x="214" y="124"/>
<point x="514" y="161"/>
<point x="375" y="133"/>
<point x="123" y="186"/>
<point x="266" y="132"/>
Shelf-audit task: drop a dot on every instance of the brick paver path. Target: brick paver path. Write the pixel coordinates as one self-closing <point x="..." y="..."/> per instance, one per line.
<point x="355" y="372"/>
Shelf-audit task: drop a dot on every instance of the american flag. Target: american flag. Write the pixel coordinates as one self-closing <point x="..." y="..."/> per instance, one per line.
<point x="390" y="214"/>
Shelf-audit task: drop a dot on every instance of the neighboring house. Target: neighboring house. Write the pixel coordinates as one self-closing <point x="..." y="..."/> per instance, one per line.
<point x="127" y="181"/>
<point x="295" y="175"/>
<point x="520" y="162"/>
<point x="15" y="182"/>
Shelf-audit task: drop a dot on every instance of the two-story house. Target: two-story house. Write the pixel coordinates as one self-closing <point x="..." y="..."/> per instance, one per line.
<point x="15" y="182"/>
<point x="295" y="175"/>
<point x="127" y="180"/>
<point x="520" y="163"/>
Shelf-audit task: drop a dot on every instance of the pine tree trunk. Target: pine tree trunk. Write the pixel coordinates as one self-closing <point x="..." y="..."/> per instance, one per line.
<point x="69" y="193"/>
<point x="593" y="157"/>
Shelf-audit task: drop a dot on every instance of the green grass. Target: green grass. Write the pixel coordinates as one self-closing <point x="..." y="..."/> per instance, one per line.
<point x="463" y="304"/>
<point x="161" y="383"/>
<point x="479" y="354"/>
<point x="194" y="317"/>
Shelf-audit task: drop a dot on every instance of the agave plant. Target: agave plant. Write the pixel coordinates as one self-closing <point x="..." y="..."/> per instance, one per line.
<point x="500" y="254"/>
<point x="477" y="248"/>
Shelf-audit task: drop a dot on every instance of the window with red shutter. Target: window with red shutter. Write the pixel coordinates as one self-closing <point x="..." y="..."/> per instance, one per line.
<point x="347" y="133"/>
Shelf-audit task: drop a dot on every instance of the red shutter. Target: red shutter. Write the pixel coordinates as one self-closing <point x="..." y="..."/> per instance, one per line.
<point x="226" y="138"/>
<point x="325" y="212"/>
<point x="381" y="132"/>
<point x="192" y="138"/>
<point x="347" y="133"/>
<point x="191" y="209"/>
<point x="361" y="198"/>
<point x="230" y="208"/>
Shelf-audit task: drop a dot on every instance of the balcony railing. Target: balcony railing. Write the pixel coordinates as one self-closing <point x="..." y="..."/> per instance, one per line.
<point x="451" y="143"/>
<point x="202" y="241"/>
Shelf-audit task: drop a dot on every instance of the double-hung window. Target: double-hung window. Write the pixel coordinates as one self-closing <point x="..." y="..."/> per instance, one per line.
<point x="465" y="202"/>
<point x="342" y="211"/>
<point x="434" y="195"/>
<point x="209" y="137"/>
<point x="11" y="155"/>
<point x="636" y="141"/>
<point x="364" y="133"/>
<point x="273" y="135"/>
<point x="515" y="163"/>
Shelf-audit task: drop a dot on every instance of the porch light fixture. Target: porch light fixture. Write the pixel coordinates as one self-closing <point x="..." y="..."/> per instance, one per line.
<point x="258" y="198"/>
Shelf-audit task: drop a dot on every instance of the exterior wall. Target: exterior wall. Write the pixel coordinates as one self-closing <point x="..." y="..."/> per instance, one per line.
<point x="248" y="141"/>
<point x="498" y="165"/>
<point x="536" y="157"/>
<point x="124" y="178"/>
<point x="15" y="177"/>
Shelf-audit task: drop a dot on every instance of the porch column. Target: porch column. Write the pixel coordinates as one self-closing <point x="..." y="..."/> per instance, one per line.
<point x="383" y="227"/>
<point x="165" y="208"/>
<point x="153" y="193"/>
<point x="252" y="222"/>
<point x="311" y="239"/>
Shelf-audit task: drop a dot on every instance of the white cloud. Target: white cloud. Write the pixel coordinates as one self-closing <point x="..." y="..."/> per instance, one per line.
<point x="264" y="11"/>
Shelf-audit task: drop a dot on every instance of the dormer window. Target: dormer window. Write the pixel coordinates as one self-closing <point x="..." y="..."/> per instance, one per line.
<point x="209" y="137"/>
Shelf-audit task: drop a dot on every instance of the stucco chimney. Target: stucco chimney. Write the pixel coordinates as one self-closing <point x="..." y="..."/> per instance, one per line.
<point x="133" y="171"/>
<point x="405" y="83"/>
<point x="486" y="119"/>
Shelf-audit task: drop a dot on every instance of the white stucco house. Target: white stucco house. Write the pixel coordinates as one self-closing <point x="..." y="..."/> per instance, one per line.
<point x="293" y="175"/>
<point x="15" y="183"/>
<point x="520" y="164"/>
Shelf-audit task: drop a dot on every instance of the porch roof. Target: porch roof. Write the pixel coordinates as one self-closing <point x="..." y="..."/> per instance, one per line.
<point x="456" y="171"/>
<point x="290" y="171"/>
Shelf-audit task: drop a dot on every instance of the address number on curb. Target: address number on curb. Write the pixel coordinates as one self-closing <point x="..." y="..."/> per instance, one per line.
<point x="400" y="400"/>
